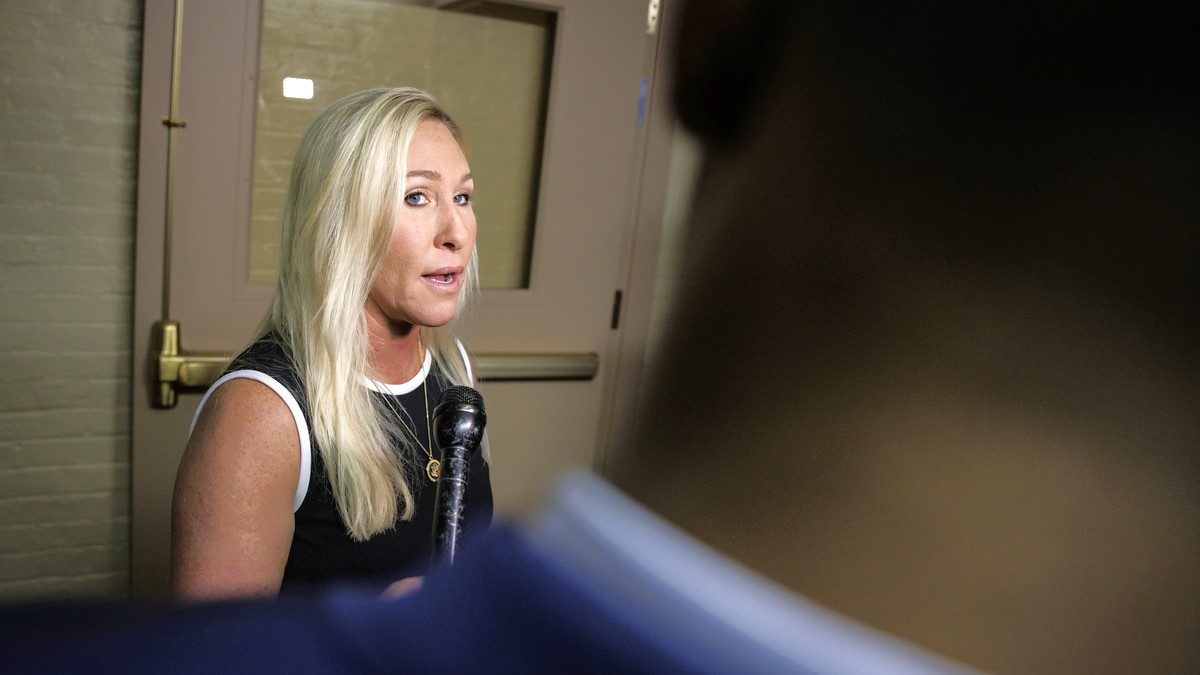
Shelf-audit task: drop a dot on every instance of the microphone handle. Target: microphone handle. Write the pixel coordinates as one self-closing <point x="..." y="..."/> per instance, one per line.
<point x="449" y="501"/>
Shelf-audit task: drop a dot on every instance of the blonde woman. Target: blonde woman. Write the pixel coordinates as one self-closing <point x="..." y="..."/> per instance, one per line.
<point x="310" y="459"/>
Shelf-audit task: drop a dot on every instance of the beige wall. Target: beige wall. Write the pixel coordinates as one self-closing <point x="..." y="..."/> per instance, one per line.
<point x="69" y="88"/>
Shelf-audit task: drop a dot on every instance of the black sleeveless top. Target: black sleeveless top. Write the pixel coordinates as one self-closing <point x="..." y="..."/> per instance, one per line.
<point x="322" y="551"/>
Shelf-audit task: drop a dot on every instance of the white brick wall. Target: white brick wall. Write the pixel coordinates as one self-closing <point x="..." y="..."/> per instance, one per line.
<point x="69" y="74"/>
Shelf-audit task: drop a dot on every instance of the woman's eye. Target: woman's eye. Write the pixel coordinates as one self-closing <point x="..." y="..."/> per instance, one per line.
<point x="415" y="199"/>
<point x="462" y="199"/>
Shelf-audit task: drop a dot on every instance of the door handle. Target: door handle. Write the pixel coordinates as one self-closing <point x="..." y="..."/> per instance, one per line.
<point x="175" y="369"/>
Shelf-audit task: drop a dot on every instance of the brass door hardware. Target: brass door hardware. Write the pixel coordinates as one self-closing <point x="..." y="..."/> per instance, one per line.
<point x="173" y="368"/>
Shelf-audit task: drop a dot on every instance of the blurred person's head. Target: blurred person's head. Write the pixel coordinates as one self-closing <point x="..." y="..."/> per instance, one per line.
<point x="935" y="365"/>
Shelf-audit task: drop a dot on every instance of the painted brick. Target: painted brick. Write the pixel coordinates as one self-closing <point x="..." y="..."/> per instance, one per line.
<point x="51" y="157"/>
<point x="98" y="12"/>
<point x="63" y="394"/>
<point x="63" y="508"/>
<point x="63" y="220"/>
<point x="28" y="366"/>
<point x="86" y="559"/>
<point x="97" y="306"/>
<point x="81" y="191"/>
<point x="34" y="278"/>
<point x="45" y="536"/>
<point x="59" y="453"/>
<point x="26" y="189"/>
<point x="106" y="100"/>
<point x="69" y="337"/>
<point x="69" y="88"/>
<point x="27" y="482"/>
<point x="85" y="130"/>
<point x="102" y="585"/>
<point x="48" y="250"/>
<point x="65" y="423"/>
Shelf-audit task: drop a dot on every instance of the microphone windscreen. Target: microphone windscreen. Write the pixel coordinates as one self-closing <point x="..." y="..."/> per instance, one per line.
<point x="459" y="418"/>
<point x="460" y="396"/>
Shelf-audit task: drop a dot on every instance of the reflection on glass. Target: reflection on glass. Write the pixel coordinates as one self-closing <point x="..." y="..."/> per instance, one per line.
<point x="488" y="64"/>
<point x="297" y="87"/>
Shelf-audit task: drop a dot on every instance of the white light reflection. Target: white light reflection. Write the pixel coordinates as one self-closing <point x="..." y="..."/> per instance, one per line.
<point x="296" y="87"/>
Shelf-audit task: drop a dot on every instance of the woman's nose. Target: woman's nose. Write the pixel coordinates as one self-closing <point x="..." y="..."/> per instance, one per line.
<point x="453" y="231"/>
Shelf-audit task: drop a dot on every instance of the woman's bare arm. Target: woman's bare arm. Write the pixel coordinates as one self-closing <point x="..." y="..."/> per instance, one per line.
<point x="231" y="520"/>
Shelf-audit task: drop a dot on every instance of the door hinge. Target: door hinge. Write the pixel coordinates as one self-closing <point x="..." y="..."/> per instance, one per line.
<point x="616" y="313"/>
<point x="652" y="18"/>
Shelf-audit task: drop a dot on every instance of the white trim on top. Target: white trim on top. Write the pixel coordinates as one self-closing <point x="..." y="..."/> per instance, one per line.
<point x="404" y="387"/>
<point x="297" y="415"/>
<point x="466" y="362"/>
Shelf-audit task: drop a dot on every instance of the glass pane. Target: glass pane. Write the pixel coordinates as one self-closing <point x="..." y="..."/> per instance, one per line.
<point x="487" y="63"/>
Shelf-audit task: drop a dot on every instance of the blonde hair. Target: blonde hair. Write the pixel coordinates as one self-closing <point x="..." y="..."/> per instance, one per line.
<point x="347" y="181"/>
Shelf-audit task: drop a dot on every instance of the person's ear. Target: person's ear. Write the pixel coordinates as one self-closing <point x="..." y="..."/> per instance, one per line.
<point x="726" y="54"/>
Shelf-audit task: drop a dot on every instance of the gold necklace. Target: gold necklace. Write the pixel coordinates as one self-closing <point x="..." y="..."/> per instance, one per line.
<point x="433" y="468"/>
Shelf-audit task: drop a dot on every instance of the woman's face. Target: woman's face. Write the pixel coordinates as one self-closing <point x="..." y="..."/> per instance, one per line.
<point x="432" y="238"/>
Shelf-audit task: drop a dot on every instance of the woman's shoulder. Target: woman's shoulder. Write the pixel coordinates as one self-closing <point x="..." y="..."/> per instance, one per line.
<point x="267" y="353"/>
<point x="262" y="376"/>
<point x="244" y="414"/>
<point x="259" y="405"/>
<point x="268" y="356"/>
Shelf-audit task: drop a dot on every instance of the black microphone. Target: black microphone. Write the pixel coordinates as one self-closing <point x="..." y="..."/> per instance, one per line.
<point x="458" y="422"/>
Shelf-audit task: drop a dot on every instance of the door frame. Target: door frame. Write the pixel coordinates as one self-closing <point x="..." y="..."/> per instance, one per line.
<point x="641" y="248"/>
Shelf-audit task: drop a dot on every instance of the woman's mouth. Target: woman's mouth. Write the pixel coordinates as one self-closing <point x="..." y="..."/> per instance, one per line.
<point x="447" y="278"/>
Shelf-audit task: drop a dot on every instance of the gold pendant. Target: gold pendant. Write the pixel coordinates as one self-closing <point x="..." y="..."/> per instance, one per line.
<point x="433" y="469"/>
